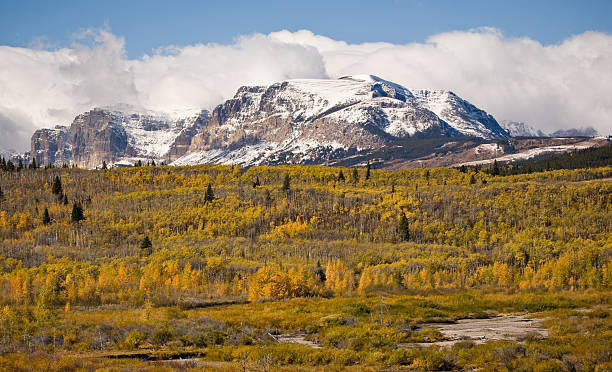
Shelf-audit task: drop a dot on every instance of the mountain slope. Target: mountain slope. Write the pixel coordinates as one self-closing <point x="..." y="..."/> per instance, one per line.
<point x="295" y="121"/>
<point x="315" y="120"/>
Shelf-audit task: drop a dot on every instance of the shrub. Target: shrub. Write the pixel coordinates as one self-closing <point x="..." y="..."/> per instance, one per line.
<point x="161" y="337"/>
<point x="134" y="339"/>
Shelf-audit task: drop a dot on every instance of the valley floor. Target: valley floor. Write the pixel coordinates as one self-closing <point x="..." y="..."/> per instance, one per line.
<point x="566" y="331"/>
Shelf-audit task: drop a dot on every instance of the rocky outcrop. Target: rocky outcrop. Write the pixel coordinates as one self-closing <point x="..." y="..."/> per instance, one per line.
<point x="51" y="146"/>
<point x="97" y="136"/>
<point x="108" y="135"/>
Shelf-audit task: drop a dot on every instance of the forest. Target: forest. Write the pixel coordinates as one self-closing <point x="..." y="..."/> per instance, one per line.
<point x="128" y="268"/>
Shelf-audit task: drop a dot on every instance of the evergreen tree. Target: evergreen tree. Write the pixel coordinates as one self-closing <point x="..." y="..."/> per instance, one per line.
<point x="77" y="212"/>
<point x="33" y="164"/>
<point x="472" y="179"/>
<point x="104" y="164"/>
<point x="56" y="188"/>
<point x="355" y="175"/>
<point x="367" y="177"/>
<point x="10" y="166"/>
<point x="286" y="183"/>
<point x="404" y="228"/>
<point x="152" y="163"/>
<point x="341" y="176"/>
<point x="46" y="219"/>
<point x="146" y="247"/>
<point x="256" y="183"/>
<point x="65" y="199"/>
<point x="209" y="195"/>
<point x="495" y="170"/>
<point x="138" y="164"/>
<point x="320" y="272"/>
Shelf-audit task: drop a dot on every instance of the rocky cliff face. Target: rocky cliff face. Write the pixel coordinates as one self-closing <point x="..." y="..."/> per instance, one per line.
<point x="108" y="135"/>
<point x="97" y="136"/>
<point x="295" y="121"/>
<point x="51" y="146"/>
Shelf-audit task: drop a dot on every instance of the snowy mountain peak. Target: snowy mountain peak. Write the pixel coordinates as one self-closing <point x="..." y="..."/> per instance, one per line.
<point x="293" y="121"/>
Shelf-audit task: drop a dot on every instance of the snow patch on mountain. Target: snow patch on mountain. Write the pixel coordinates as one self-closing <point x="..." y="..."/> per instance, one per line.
<point x="460" y="114"/>
<point x="530" y="153"/>
<point x="489" y="147"/>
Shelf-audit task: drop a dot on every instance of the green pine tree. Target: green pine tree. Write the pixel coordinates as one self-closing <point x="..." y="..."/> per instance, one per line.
<point x="495" y="170"/>
<point x="367" y="177"/>
<point x="77" y="212"/>
<point x="209" y="196"/>
<point x="256" y="183"/>
<point x="341" y="176"/>
<point x="56" y="188"/>
<point x="46" y="219"/>
<point x="146" y="247"/>
<point x="286" y="183"/>
<point x="404" y="228"/>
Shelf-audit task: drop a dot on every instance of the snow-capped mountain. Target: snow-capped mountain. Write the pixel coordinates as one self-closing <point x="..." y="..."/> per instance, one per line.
<point x="110" y="135"/>
<point x="294" y="121"/>
<point x="15" y="157"/>
<point x="315" y="120"/>
<point x="520" y="129"/>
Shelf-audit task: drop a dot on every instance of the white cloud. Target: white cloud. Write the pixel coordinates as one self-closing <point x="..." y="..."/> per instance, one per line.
<point x="550" y="86"/>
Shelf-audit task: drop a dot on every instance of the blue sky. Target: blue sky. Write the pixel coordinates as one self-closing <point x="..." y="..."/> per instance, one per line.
<point x="147" y="25"/>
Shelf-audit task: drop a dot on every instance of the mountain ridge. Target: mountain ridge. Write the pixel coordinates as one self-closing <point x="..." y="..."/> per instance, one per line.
<point x="298" y="121"/>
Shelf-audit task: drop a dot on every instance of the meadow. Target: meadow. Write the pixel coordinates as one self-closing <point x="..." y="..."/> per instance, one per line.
<point x="121" y="269"/>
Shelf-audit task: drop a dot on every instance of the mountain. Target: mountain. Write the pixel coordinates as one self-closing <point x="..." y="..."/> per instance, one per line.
<point x="317" y="120"/>
<point x="576" y="132"/>
<point x="295" y="121"/>
<point x="110" y="135"/>
<point x="15" y="156"/>
<point x="520" y="129"/>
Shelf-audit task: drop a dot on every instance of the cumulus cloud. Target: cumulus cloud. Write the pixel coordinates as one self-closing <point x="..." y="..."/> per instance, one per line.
<point x="550" y="86"/>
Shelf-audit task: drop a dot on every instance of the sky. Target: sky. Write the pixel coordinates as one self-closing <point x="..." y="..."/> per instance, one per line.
<point x="547" y="63"/>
